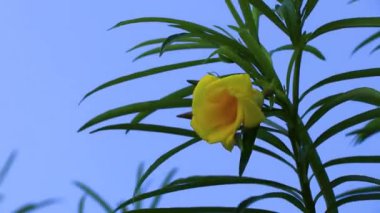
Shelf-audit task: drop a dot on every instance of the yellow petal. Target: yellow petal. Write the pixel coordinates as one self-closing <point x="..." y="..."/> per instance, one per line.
<point x="221" y="106"/>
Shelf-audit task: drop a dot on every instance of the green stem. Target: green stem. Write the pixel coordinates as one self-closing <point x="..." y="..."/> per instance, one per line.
<point x="306" y="153"/>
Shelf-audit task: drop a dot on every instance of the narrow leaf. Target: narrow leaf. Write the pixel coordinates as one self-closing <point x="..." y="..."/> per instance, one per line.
<point x="149" y="128"/>
<point x="248" y="141"/>
<point x="149" y="72"/>
<point x="367" y="131"/>
<point x="367" y="41"/>
<point x="346" y="23"/>
<point x="81" y="204"/>
<point x="364" y="95"/>
<point x="107" y="208"/>
<point x="162" y="159"/>
<point x="268" y="12"/>
<point x="137" y="107"/>
<point x="352" y="159"/>
<point x="7" y="166"/>
<point x="206" y="181"/>
<point x="198" y="210"/>
<point x="357" y="74"/>
<point x="281" y="195"/>
<point x="308" y="48"/>
<point x="343" y="125"/>
<point x="166" y="181"/>
<point x="35" y="206"/>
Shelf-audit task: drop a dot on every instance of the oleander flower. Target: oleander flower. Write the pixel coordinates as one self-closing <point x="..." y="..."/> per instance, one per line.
<point x="222" y="105"/>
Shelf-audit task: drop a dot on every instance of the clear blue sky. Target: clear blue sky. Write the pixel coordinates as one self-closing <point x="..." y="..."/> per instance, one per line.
<point x="53" y="52"/>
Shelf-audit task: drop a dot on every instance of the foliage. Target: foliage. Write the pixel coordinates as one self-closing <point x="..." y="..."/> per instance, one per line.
<point x="283" y="101"/>
<point x="89" y="192"/>
<point x="29" y="207"/>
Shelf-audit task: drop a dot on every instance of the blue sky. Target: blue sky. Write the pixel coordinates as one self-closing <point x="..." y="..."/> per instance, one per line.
<point x="53" y="52"/>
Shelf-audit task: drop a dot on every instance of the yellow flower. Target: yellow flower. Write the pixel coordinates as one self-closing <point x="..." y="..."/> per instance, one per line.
<point x="221" y="105"/>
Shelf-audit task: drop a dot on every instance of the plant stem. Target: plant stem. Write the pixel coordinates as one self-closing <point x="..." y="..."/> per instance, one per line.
<point x="306" y="153"/>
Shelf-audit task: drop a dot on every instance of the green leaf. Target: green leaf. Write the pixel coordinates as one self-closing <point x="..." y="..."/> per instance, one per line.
<point x="181" y="93"/>
<point x="149" y="128"/>
<point x="228" y="34"/>
<point x="343" y="77"/>
<point x="275" y="156"/>
<point x="281" y="195"/>
<point x="152" y="71"/>
<point x="289" y="13"/>
<point x="346" y="23"/>
<point x="198" y="210"/>
<point x="274" y="141"/>
<point x="352" y="159"/>
<point x="172" y="38"/>
<point x="248" y="141"/>
<point x="349" y="178"/>
<point x="367" y="131"/>
<point x="165" y="182"/>
<point x="7" y="166"/>
<point x="136" y="107"/>
<point x="164" y="20"/>
<point x="367" y="41"/>
<point x="375" y="49"/>
<point x="234" y="13"/>
<point x="359" y="197"/>
<point x="81" y="204"/>
<point x="175" y="47"/>
<point x="35" y="206"/>
<point x="268" y="12"/>
<point x="360" y="190"/>
<point x="162" y="159"/>
<point x="310" y="5"/>
<point x="250" y="22"/>
<point x="308" y="48"/>
<point x="160" y="40"/>
<point x="364" y="95"/>
<point x="95" y="196"/>
<point x="343" y="125"/>
<point x="206" y="181"/>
